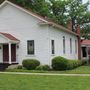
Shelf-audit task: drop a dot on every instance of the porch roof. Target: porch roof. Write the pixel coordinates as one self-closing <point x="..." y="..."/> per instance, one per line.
<point x="85" y="42"/>
<point x="9" y="37"/>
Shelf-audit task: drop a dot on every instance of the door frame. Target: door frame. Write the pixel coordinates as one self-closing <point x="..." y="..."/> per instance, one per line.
<point x="7" y="48"/>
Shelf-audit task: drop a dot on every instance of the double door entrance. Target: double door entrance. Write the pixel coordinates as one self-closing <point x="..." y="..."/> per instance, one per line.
<point x="6" y="53"/>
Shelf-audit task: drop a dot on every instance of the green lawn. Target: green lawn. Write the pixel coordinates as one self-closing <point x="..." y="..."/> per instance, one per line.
<point x="35" y="82"/>
<point x="79" y="70"/>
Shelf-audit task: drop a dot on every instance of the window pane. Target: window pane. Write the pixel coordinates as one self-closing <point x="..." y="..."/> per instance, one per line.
<point x="30" y="46"/>
<point x="84" y="53"/>
<point x="52" y="46"/>
<point x="75" y="46"/>
<point x="64" y="44"/>
<point x="70" y="45"/>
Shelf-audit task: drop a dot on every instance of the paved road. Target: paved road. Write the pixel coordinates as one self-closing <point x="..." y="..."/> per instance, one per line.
<point x="46" y="74"/>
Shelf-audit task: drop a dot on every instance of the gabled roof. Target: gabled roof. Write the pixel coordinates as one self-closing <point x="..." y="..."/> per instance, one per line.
<point x="85" y="42"/>
<point x="45" y="20"/>
<point x="9" y="36"/>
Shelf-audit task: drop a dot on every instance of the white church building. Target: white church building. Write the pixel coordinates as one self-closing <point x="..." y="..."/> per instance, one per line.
<point x="26" y="35"/>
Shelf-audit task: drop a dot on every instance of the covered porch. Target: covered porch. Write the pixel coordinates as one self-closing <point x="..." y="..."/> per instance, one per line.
<point x="8" y="48"/>
<point x="85" y="45"/>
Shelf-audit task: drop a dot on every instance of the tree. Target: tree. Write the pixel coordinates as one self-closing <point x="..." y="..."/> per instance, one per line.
<point x="38" y="6"/>
<point x="85" y="31"/>
<point x="74" y="10"/>
<point x="77" y="12"/>
<point x="58" y="9"/>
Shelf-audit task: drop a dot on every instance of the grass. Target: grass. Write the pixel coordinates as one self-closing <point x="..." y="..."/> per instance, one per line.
<point x="35" y="82"/>
<point x="79" y="70"/>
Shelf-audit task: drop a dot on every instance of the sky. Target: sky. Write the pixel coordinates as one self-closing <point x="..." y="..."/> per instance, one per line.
<point x="84" y="1"/>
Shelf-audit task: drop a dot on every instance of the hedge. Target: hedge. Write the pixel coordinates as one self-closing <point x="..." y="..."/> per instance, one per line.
<point x="30" y="64"/>
<point x="60" y="63"/>
<point x="43" y="67"/>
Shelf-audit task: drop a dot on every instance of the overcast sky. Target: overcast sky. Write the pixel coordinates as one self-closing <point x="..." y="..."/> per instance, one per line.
<point x="86" y="1"/>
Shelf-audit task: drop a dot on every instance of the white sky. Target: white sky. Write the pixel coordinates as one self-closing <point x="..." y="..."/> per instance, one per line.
<point x="84" y="1"/>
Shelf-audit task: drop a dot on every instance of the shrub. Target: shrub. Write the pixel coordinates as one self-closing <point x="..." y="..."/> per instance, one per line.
<point x="43" y="67"/>
<point x="19" y="67"/>
<point x="70" y="65"/>
<point x="73" y="64"/>
<point x="30" y="64"/>
<point x="84" y="62"/>
<point x="59" y="63"/>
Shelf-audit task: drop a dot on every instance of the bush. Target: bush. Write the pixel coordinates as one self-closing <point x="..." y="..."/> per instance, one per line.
<point x="19" y="67"/>
<point x="43" y="67"/>
<point x="84" y="62"/>
<point x="73" y="64"/>
<point x="59" y="63"/>
<point x="30" y="64"/>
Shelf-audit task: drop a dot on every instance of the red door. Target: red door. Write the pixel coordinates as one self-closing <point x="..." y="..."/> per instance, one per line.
<point x="13" y="52"/>
<point x="5" y="53"/>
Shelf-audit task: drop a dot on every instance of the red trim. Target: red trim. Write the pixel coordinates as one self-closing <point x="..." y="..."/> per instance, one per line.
<point x="9" y="36"/>
<point x="85" y="42"/>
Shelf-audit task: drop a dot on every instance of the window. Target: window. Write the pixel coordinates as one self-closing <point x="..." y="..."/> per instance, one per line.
<point x="70" y="45"/>
<point x="30" y="46"/>
<point x="64" y="44"/>
<point x="84" y="52"/>
<point x="75" y="46"/>
<point x="52" y="47"/>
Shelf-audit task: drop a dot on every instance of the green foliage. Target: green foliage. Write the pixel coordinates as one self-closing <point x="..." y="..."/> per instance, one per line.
<point x="84" y="62"/>
<point x="85" y="31"/>
<point x="30" y="64"/>
<point x="48" y="82"/>
<point x="74" y="10"/>
<point x="41" y="7"/>
<point x="43" y="67"/>
<point x="59" y="63"/>
<point x="58" y="9"/>
<point x="20" y="67"/>
<point x="73" y="64"/>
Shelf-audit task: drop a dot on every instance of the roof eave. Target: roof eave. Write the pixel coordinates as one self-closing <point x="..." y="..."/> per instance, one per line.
<point x="49" y="22"/>
<point x="59" y="27"/>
